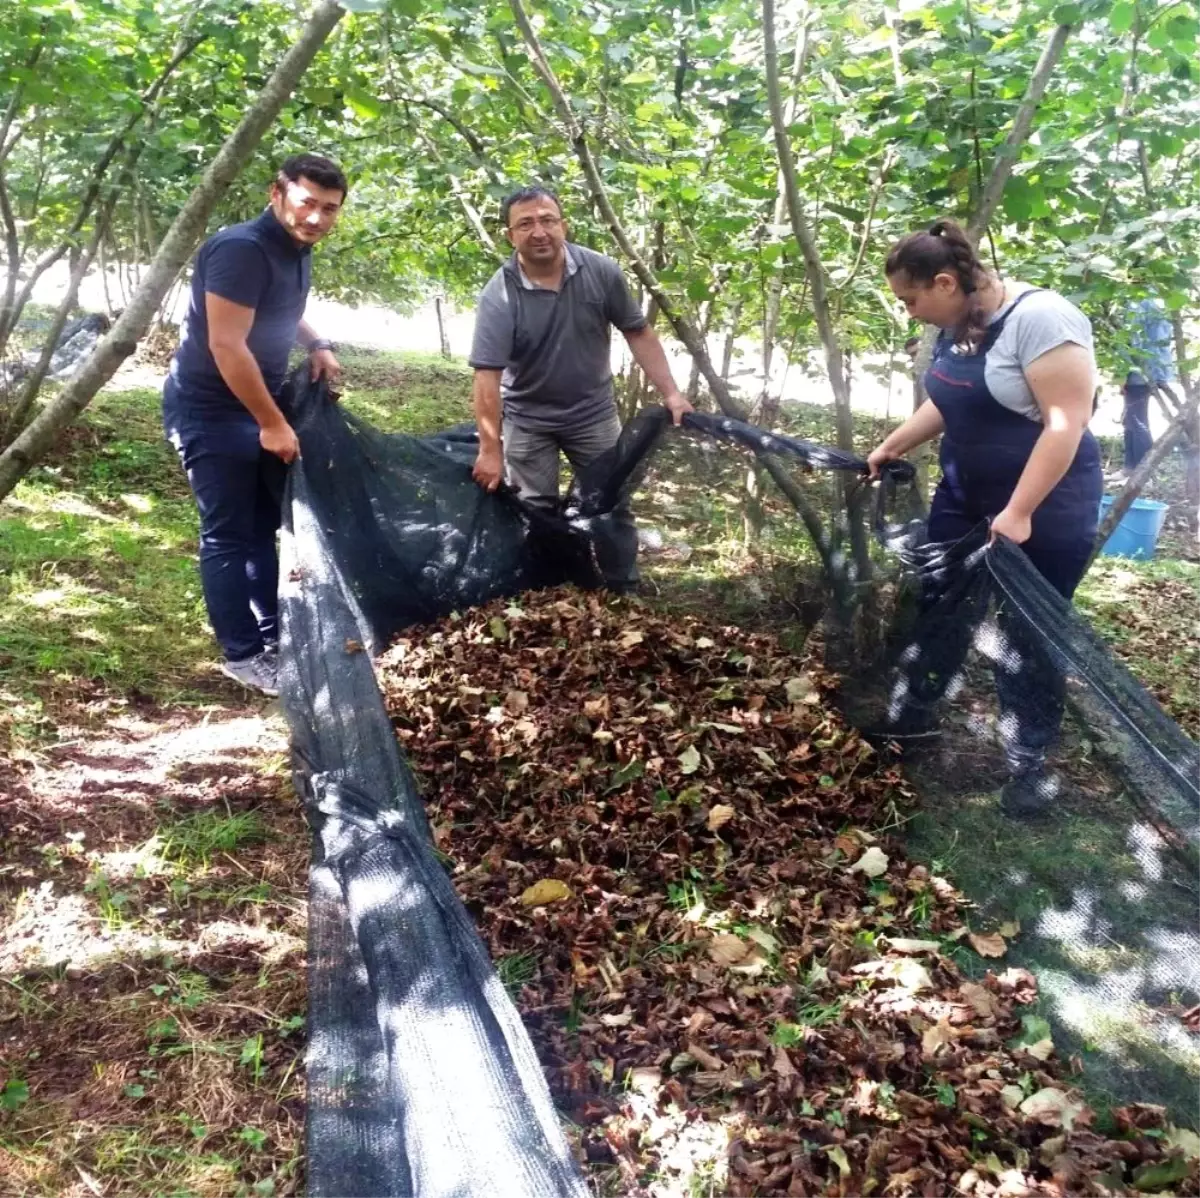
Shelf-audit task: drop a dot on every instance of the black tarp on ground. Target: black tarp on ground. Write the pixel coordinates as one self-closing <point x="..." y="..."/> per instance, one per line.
<point x="421" y="1078"/>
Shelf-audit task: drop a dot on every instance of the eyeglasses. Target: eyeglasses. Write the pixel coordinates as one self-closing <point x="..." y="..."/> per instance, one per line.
<point x="529" y="223"/>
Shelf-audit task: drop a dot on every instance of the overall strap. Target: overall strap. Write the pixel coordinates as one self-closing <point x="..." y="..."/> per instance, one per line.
<point x="995" y="327"/>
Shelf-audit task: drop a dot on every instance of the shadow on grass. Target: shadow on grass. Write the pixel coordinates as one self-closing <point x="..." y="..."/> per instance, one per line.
<point x="1107" y="912"/>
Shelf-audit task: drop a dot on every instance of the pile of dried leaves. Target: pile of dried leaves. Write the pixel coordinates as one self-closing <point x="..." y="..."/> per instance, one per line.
<point x="734" y="985"/>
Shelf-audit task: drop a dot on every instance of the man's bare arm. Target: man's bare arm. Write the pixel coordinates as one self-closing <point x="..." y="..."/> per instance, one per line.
<point x="485" y="394"/>
<point x="322" y="361"/>
<point x="649" y="354"/>
<point x="229" y="325"/>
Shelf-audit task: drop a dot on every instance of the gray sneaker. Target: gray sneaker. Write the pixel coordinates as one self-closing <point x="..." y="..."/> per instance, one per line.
<point x="259" y="673"/>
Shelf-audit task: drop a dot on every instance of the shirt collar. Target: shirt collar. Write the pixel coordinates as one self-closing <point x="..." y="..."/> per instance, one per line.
<point x="527" y="283"/>
<point x="270" y="227"/>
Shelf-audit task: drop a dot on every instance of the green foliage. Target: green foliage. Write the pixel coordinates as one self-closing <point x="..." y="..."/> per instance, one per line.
<point x="896" y="116"/>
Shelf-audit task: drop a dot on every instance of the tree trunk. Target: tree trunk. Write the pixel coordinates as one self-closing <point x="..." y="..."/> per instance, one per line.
<point x="443" y="339"/>
<point x="1018" y="134"/>
<point x="707" y="309"/>
<point x="731" y="332"/>
<point x="33" y="383"/>
<point x="177" y="247"/>
<point x="813" y="267"/>
<point x="775" y="291"/>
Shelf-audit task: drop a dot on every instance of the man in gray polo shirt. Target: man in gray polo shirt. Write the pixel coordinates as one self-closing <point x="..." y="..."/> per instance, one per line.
<point x="543" y="379"/>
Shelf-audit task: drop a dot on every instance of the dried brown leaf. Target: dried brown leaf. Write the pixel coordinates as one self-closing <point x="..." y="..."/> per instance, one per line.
<point x="719" y="816"/>
<point x="728" y="950"/>
<point x="990" y="945"/>
<point x="548" y="890"/>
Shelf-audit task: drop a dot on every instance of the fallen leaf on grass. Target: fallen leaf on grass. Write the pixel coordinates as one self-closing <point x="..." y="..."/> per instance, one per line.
<point x="1012" y="1096"/>
<point x="872" y="863"/>
<point x="1185" y="1140"/>
<point x="727" y="949"/>
<point x="846" y="844"/>
<point x="701" y="1057"/>
<point x="1053" y="1108"/>
<point x="735" y="953"/>
<point x="627" y="773"/>
<point x="622" y="1020"/>
<point x="1010" y="929"/>
<point x="631" y="638"/>
<point x="719" y="816"/>
<point x="907" y="973"/>
<point x="516" y="702"/>
<point x="548" y="890"/>
<point x="990" y="945"/>
<point x="801" y="690"/>
<point x="981" y="1000"/>
<point x="1154" y="1178"/>
<point x="783" y="1063"/>
<point x="937" y="1036"/>
<point x="901" y="945"/>
<point x="837" y="1154"/>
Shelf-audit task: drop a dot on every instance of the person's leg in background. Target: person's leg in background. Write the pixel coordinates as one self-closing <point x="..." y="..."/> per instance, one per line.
<point x="1030" y="685"/>
<point x="617" y="547"/>
<point x="1136" y="419"/>
<point x="931" y="662"/>
<point x="262" y="566"/>
<point x="225" y="481"/>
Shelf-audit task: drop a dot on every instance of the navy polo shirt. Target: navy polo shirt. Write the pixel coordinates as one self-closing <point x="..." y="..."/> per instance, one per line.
<point x="257" y="265"/>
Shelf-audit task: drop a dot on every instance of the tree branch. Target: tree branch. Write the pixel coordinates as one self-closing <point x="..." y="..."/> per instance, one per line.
<point x="885" y="168"/>
<point x="10" y="313"/>
<point x="33" y="383"/>
<point x="470" y="137"/>
<point x="775" y="291"/>
<point x="464" y="200"/>
<point x="1019" y="133"/>
<point x="14" y="102"/>
<point x="808" y="247"/>
<point x="177" y="246"/>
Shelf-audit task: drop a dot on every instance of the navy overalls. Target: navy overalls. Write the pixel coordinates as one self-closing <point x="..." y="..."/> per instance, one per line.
<point x="984" y="451"/>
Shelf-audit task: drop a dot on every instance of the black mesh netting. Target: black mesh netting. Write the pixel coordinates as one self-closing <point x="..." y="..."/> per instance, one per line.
<point x="422" y="1080"/>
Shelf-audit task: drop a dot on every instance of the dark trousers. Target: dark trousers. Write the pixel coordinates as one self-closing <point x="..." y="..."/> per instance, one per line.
<point x="531" y="460"/>
<point x="1136" y="419"/>
<point x="1029" y="687"/>
<point x="239" y="492"/>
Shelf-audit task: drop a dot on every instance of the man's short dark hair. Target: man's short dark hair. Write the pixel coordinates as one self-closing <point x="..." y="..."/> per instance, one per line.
<point x="324" y="172"/>
<point x="534" y="192"/>
<point x="911" y="342"/>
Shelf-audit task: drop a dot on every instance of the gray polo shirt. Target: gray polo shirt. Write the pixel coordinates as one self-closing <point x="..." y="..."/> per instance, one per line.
<point x="554" y="346"/>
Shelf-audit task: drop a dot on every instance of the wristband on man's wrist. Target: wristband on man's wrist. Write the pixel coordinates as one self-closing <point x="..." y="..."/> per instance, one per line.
<point x="320" y="343"/>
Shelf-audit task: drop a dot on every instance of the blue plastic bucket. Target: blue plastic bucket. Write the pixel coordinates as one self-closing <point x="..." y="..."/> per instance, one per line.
<point x="1137" y="534"/>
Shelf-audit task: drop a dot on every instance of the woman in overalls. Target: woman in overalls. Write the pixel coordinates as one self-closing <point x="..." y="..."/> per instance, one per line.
<point x="1010" y="391"/>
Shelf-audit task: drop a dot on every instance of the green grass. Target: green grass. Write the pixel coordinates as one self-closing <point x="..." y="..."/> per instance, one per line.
<point x="99" y="585"/>
<point x="405" y="393"/>
<point x="192" y="842"/>
<point x="1148" y="612"/>
<point x="97" y="574"/>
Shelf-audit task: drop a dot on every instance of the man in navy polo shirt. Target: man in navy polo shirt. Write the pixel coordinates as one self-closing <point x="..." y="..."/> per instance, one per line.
<point x="249" y="289"/>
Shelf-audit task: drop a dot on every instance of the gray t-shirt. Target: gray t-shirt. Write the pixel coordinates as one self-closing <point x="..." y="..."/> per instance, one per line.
<point x="1041" y="322"/>
<point x="554" y="346"/>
